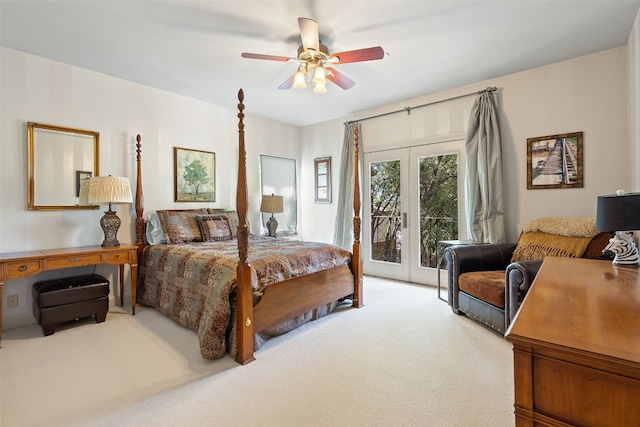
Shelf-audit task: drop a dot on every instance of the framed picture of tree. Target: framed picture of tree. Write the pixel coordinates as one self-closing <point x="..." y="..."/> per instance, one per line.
<point x="195" y="175"/>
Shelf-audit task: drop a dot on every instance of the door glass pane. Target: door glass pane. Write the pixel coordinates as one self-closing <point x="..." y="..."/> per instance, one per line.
<point x="386" y="233"/>
<point x="438" y="193"/>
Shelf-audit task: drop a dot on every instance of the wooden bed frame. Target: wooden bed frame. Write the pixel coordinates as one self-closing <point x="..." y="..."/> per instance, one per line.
<point x="283" y="300"/>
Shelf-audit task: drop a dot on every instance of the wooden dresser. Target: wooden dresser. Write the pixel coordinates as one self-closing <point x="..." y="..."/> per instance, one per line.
<point x="576" y="346"/>
<point x="25" y="264"/>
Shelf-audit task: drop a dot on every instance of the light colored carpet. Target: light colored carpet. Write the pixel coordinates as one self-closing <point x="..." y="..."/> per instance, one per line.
<point x="402" y="360"/>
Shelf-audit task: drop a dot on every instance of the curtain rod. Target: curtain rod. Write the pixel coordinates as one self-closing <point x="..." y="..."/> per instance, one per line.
<point x="408" y="109"/>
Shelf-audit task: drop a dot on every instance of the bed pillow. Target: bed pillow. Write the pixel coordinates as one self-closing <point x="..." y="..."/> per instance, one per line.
<point x="214" y="227"/>
<point x="234" y="221"/>
<point x="180" y="226"/>
<point x="154" y="233"/>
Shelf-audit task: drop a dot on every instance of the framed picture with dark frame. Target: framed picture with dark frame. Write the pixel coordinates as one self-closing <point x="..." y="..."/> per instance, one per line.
<point x="194" y="175"/>
<point x="555" y="161"/>
<point x="322" y="173"/>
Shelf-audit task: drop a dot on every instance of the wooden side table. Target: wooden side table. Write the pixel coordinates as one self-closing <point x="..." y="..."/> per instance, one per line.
<point x="25" y="264"/>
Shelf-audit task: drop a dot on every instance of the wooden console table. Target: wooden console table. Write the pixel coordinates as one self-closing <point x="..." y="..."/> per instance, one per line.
<point x="576" y="346"/>
<point x="25" y="264"/>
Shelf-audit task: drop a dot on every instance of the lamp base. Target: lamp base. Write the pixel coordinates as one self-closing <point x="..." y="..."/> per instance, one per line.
<point x="623" y="248"/>
<point x="110" y="224"/>
<point x="272" y="225"/>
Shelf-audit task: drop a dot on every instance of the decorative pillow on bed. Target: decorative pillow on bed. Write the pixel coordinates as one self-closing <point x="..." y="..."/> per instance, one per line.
<point x="180" y="226"/>
<point x="232" y="216"/>
<point x="214" y="227"/>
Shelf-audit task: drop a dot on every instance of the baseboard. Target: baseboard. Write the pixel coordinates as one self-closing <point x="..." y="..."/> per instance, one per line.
<point x="27" y="319"/>
<point x="18" y="321"/>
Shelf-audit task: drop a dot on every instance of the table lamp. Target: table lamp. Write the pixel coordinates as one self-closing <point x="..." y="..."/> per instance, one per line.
<point x="620" y="212"/>
<point x="273" y="204"/>
<point x="102" y="190"/>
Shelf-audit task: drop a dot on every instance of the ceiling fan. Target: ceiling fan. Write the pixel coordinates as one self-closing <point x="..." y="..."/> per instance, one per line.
<point x="314" y="57"/>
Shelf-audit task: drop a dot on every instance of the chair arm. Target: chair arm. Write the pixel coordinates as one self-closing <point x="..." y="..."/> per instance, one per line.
<point x="519" y="276"/>
<point x="481" y="257"/>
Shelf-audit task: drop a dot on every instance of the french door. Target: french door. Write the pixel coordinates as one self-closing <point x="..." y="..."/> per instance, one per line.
<point x="412" y="200"/>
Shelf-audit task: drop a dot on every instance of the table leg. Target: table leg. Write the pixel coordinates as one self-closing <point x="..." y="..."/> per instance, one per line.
<point x="1" y="303"/>
<point x="439" y="261"/>
<point x="134" y="280"/>
<point x="121" y="285"/>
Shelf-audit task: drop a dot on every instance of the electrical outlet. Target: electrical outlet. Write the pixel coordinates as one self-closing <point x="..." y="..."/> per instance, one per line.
<point x="12" y="301"/>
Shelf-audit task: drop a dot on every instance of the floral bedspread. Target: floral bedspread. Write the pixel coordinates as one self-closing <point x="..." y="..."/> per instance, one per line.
<point x="192" y="283"/>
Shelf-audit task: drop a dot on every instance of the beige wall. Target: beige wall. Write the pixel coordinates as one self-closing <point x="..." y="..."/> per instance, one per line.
<point x="588" y="94"/>
<point x="44" y="91"/>
<point x="633" y="49"/>
<point x="593" y="94"/>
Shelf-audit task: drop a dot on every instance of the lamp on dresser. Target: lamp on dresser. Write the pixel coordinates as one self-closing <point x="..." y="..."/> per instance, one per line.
<point x="272" y="204"/>
<point x="620" y="212"/>
<point x="107" y="190"/>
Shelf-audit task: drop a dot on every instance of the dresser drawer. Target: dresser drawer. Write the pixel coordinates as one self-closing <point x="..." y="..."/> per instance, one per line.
<point x="72" y="261"/>
<point x="118" y="257"/>
<point x="23" y="268"/>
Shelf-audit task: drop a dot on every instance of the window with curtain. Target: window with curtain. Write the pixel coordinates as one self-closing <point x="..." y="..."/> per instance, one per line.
<point x="278" y="177"/>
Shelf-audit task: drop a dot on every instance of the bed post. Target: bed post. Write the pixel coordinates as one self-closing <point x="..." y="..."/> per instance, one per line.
<point x="356" y="257"/>
<point x="139" y="198"/>
<point x="244" y="294"/>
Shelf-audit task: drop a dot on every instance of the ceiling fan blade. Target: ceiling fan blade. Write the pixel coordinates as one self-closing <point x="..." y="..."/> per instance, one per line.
<point x="339" y="79"/>
<point x="309" y="34"/>
<point x="267" y="57"/>
<point x="287" y="84"/>
<point x="358" y="55"/>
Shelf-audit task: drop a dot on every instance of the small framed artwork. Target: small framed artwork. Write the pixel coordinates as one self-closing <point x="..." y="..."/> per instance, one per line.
<point x="555" y="161"/>
<point x="82" y="176"/>
<point x="195" y="175"/>
<point x="322" y="167"/>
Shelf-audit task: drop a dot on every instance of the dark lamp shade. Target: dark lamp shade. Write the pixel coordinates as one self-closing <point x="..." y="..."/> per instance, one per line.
<point x="618" y="212"/>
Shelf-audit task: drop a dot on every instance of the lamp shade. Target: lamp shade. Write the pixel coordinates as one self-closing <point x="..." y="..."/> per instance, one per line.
<point x="108" y="189"/>
<point x="273" y="204"/>
<point x="618" y="212"/>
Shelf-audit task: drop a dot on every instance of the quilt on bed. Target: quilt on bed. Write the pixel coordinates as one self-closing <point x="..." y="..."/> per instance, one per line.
<point x="192" y="283"/>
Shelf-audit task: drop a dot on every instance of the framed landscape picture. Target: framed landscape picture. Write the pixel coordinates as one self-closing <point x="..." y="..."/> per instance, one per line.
<point x="195" y="175"/>
<point x="555" y="161"/>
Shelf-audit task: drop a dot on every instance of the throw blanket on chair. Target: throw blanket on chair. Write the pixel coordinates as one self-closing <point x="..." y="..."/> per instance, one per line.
<point x="555" y="236"/>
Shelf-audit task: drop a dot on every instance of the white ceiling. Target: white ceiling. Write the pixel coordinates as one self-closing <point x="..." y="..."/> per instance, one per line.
<point x="193" y="47"/>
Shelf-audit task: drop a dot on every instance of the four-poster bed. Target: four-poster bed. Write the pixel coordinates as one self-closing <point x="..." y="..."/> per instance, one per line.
<point x="284" y="296"/>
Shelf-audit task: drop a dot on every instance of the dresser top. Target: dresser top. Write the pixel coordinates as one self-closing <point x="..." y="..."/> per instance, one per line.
<point x="585" y="305"/>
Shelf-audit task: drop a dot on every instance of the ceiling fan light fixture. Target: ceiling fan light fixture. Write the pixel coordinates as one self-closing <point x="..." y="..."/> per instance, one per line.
<point x="299" y="80"/>
<point x="320" y="88"/>
<point x="320" y="75"/>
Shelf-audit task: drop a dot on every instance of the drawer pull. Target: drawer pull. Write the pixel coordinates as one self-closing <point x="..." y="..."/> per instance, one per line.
<point x="23" y="267"/>
<point x="74" y="260"/>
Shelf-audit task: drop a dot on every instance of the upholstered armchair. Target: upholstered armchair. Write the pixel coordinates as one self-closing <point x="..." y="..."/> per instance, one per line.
<point x="488" y="282"/>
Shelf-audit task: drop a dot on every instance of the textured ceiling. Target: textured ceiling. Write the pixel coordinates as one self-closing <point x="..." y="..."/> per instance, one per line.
<point x="193" y="47"/>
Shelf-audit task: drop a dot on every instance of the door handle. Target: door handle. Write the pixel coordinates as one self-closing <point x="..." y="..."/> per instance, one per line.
<point x="404" y="220"/>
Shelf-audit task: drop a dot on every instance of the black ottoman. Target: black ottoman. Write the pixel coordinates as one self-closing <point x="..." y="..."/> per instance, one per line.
<point x="62" y="300"/>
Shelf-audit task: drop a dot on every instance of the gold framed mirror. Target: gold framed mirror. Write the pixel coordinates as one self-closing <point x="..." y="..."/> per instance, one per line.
<point x="59" y="158"/>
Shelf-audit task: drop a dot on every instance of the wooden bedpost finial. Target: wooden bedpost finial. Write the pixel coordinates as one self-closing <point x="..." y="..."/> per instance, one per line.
<point x="138" y="145"/>
<point x="240" y="109"/>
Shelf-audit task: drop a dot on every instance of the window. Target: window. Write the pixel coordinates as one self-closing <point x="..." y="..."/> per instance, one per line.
<point x="278" y="177"/>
